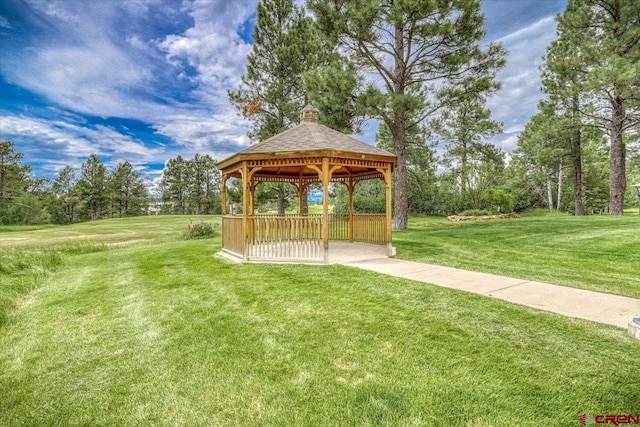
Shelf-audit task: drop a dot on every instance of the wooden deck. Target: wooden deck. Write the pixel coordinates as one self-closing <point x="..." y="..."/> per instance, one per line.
<point x="339" y="253"/>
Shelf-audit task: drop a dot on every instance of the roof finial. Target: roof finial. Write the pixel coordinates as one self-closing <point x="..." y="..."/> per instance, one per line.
<point x="309" y="114"/>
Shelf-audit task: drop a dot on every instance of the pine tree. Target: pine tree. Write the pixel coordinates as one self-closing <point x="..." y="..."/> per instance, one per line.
<point x="129" y="196"/>
<point x="66" y="197"/>
<point x="15" y="202"/>
<point x="608" y="34"/>
<point x="466" y="127"/>
<point x="424" y="54"/>
<point x="203" y="183"/>
<point x="93" y="187"/>
<point x="14" y="177"/>
<point x="285" y="47"/>
<point x="174" y="184"/>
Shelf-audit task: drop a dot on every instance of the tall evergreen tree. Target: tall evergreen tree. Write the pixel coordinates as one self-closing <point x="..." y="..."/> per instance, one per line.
<point x="563" y="83"/>
<point x="17" y="203"/>
<point x="129" y="196"/>
<point x="93" y="187"/>
<point x="466" y="127"/>
<point x="66" y="198"/>
<point x="174" y="184"/>
<point x="608" y="33"/>
<point x="424" y="55"/>
<point x="14" y="177"/>
<point x="285" y="47"/>
<point x="203" y="184"/>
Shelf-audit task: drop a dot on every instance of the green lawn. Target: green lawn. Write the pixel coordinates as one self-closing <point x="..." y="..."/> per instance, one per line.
<point x="158" y="331"/>
<point x="597" y="252"/>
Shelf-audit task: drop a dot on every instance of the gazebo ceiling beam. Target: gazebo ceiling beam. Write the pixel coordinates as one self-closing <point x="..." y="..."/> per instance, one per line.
<point x="300" y="159"/>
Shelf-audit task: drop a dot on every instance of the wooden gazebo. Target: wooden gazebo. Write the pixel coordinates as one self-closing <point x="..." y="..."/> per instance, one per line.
<point x="306" y="154"/>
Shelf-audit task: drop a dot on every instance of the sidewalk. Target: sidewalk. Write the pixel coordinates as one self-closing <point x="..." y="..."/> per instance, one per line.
<point x="595" y="306"/>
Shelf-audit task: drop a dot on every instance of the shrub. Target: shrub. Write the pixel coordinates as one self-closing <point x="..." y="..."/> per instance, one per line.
<point x="498" y="201"/>
<point x="201" y="230"/>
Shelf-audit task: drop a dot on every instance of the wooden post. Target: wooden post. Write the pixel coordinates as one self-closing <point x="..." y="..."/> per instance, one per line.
<point x="352" y="187"/>
<point x="388" y="209"/>
<point x="325" y="208"/>
<point x="300" y="188"/>
<point x="386" y="177"/>
<point x="252" y="198"/>
<point x="251" y="185"/>
<point x="223" y="194"/>
<point x="245" y="208"/>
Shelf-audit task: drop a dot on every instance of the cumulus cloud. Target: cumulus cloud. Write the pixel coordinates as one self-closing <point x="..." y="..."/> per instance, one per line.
<point x="518" y="99"/>
<point x="71" y="143"/>
<point x="166" y="64"/>
<point x="212" y="47"/>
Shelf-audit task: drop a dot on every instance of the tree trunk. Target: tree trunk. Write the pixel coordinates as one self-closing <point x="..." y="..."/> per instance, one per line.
<point x="560" y="173"/>
<point x="463" y="169"/>
<point x="281" y="200"/>
<point x="617" y="173"/>
<point x="549" y="196"/>
<point x="398" y="130"/>
<point x="576" y="156"/>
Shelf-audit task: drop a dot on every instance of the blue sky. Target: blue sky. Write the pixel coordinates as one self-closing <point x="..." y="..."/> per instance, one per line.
<point x="146" y="80"/>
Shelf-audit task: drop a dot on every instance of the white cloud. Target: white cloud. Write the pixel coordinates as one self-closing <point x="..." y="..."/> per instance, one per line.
<point x="94" y="62"/>
<point x="518" y="99"/>
<point x="72" y="143"/>
<point x="212" y="47"/>
<point x="4" y="23"/>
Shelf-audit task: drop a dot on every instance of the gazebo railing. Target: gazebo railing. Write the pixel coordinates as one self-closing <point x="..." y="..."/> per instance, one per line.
<point x="338" y="226"/>
<point x="370" y="228"/>
<point x="367" y="228"/>
<point x="297" y="237"/>
<point x="285" y="237"/>
<point x="232" y="234"/>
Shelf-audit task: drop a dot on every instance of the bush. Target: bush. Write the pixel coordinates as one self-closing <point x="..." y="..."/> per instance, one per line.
<point x="201" y="230"/>
<point x="497" y="201"/>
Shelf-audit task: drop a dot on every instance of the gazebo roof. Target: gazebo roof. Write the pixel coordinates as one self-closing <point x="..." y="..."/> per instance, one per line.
<point x="309" y="138"/>
<point x="313" y="137"/>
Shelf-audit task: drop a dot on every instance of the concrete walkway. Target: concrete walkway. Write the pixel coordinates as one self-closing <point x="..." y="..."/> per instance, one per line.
<point x="595" y="306"/>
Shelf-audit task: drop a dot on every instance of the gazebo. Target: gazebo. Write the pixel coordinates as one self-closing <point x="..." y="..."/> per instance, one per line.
<point x="306" y="154"/>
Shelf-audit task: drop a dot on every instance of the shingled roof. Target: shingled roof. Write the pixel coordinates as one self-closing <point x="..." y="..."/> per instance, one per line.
<point x="309" y="135"/>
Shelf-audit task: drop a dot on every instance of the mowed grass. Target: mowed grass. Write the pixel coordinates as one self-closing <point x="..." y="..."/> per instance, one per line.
<point x="109" y="231"/>
<point x="28" y="254"/>
<point x="161" y="332"/>
<point x="597" y="252"/>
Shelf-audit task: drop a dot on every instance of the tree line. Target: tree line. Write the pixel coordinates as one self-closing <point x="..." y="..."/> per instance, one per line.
<point x="421" y="70"/>
<point x="585" y="135"/>
<point x="190" y="186"/>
